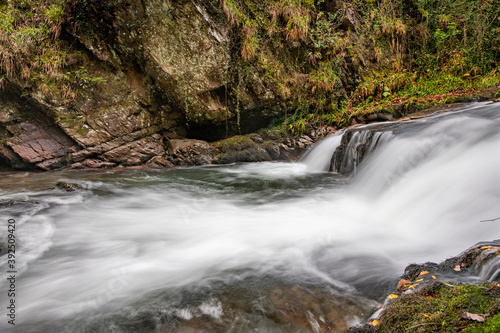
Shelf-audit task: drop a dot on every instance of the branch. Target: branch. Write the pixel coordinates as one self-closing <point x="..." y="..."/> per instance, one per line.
<point x="498" y="218"/>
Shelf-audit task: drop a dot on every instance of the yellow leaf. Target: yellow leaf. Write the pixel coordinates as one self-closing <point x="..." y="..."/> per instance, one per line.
<point x="393" y="296"/>
<point x="375" y="322"/>
<point x="419" y="280"/>
<point x="485" y="247"/>
<point x="426" y="315"/>
<point x="434" y="277"/>
<point x="411" y="287"/>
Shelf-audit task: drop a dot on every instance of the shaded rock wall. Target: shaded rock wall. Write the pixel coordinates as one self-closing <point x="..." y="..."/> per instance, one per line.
<point x="138" y="74"/>
<point x="163" y="74"/>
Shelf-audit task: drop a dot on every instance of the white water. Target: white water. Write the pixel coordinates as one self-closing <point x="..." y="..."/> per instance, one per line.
<point x="417" y="197"/>
<point x="318" y="158"/>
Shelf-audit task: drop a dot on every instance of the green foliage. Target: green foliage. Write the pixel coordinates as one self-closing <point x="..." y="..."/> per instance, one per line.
<point x="277" y="36"/>
<point x="31" y="50"/>
<point x="55" y="13"/>
<point x="421" y="50"/>
<point x="80" y="78"/>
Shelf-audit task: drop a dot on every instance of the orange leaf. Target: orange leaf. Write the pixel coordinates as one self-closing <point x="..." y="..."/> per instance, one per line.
<point x="424" y="273"/>
<point x="403" y="283"/>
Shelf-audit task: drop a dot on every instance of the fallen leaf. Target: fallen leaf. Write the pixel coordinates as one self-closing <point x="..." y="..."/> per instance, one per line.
<point x="426" y="315"/>
<point x="457" y="268"/>
<point x="375" y="322"/>
<point x="472" y="316"/>
<point x="403" y="283"/>
<point x="419" y="280"/>
<point x="434" y="277"/>
<point x="393" y="296"/>
<point x="424" y="272"/>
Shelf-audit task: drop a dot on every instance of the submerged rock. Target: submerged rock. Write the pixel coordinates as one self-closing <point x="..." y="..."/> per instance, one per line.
<point x="68" y="187"/>
<point x="263" y="305"/>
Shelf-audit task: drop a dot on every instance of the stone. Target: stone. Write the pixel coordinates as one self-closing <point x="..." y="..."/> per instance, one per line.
<point x="92" y="164"/>
<point x="191" y="151"/>
<point x="68" y="187"/>
<point x="159" y="162"/>
<point x="35" y="143"/>
<point x="136" y="152"/>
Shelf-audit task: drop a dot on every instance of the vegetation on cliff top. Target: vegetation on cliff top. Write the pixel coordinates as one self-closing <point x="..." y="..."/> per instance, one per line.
<point x="336" y="59"/>
<point x="33" y="52"/>
<point x="329" y="60"/>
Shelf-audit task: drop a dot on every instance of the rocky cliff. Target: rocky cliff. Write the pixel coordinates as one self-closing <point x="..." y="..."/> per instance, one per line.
<point x="128" y="79"/>
<point x="145" y="72"/>
<point x="90" y="84"/>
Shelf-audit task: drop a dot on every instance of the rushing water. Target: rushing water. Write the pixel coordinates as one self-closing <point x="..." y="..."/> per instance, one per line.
<point x="128" y="242"/>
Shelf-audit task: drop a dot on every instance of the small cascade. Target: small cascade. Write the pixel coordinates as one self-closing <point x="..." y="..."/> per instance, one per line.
<point x="355" y="145"/>
<point x="491" y="269"/>
<point x="318" y="158"/>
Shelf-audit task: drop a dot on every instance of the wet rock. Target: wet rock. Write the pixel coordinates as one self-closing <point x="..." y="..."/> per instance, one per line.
<point x="480" y="260"/>
<point x="380" y="117"/>
<point x="6" y="203"/>
<point x="93" y="164"/>
<point x="160" y="162"/>
<point x="240" y="149"/>
<point x="266" y="306"/>
<point x="191" y="151"/>
<point x="137" y="152"/>
<point x="421" y="282"/>
<point x="68" y="187"/>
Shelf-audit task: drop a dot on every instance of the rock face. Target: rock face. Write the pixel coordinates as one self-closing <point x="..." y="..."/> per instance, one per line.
<point x="162" y="71"/>
<point x="184" y="47"/>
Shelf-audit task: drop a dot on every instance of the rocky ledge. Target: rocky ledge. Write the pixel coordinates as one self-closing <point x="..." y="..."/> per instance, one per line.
<point x="461" y="294"/>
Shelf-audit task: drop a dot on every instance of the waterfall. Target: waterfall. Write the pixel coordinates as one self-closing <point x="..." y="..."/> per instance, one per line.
<point x="319" y="157"/>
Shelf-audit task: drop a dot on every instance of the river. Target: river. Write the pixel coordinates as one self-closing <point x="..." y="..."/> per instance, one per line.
<point x="157" y="250"/>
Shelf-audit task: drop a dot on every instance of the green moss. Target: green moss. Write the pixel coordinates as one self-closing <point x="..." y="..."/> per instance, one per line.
<point x="236" y="143"/>
<point x="441" y="309"/>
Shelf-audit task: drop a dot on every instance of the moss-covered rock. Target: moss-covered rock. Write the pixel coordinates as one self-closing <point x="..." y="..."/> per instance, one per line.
<point x="461" y="294"/>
